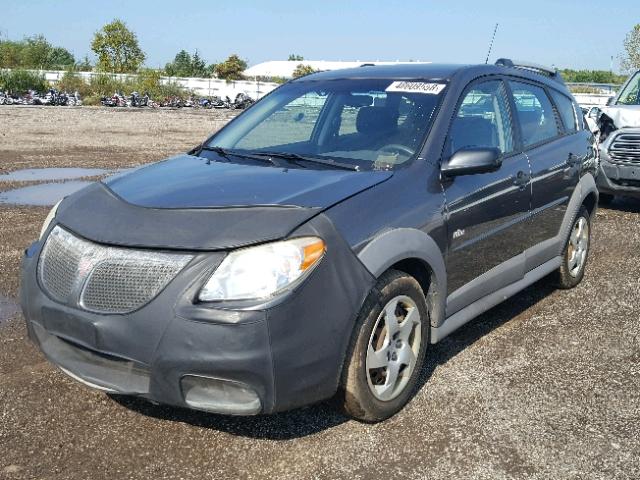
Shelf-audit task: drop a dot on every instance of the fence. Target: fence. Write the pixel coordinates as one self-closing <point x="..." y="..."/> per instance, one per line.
<point x="201" y="86"/>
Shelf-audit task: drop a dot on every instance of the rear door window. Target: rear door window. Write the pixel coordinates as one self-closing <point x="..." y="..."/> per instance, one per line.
<point x="566" y="111"/>
<point x="535" y="113"/>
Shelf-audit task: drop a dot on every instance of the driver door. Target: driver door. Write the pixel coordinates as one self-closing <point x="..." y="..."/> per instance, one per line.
<point x="486" y="212"/>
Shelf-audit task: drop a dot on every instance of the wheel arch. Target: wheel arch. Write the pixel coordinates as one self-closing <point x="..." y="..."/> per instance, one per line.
<point x="415" y="253"/>
<point x="590" y="202"/>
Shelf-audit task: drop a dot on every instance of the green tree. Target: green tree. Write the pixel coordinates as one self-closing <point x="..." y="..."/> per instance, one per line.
<point x="34" y="52"/>
<point x="295" y="58"/>
<point x="185" y="65"/>
<point x="117" y="48"/>
<point x="84" y="65"/>
<point x="180" y="66"/>
<point x="60" y="58"/>
<point x="591" y="76"/>
<point x="302" y="70"/>
<point x="631" y="57"/>
<point x="10" y="54"/>
<point x="231" y="68"/>
<point x="210" y="70"/>
<point x="198" y="66"/>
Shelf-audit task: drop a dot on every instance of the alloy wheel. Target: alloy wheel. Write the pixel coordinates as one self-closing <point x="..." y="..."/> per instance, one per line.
<point x="578" y="247"/>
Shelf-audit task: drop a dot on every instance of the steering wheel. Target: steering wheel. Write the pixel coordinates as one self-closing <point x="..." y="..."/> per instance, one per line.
<point x="395" y="148"/>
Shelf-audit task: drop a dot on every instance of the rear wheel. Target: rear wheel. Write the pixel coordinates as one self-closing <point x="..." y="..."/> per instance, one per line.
<point x="386" y="352"/>
<point x="576" y="252"/>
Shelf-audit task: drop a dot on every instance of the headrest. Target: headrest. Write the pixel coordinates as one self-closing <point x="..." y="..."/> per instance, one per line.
<point x="376" y="119"/>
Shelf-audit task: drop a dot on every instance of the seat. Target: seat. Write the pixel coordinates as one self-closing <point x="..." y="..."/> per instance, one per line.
<point x="374" y="127"/>
<point x="530" y="123"/>
<point x="473" y="132"/>
<point x="377" y="120"/>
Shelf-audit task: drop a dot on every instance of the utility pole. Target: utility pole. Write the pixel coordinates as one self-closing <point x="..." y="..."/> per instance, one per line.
<point x="611" y="65"/>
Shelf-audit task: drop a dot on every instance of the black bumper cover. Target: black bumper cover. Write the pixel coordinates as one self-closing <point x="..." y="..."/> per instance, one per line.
<point x="289" y="350"/>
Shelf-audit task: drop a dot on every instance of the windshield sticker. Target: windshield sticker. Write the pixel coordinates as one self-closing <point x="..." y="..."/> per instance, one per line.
<point x="416" y="87"/>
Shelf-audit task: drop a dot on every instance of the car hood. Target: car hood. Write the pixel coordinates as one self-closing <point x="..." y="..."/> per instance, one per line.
<point x="623" y="115"/>
<point x="188" y="181"/>
<point x="190" y="203"/>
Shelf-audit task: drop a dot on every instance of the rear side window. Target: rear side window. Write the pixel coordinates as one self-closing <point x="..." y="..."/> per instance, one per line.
<point x="535" y="113"/>
<point x="565" y="109"/>
<point x="483" y="119"/>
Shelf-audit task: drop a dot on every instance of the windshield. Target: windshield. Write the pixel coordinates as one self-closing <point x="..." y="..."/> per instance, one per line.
<point x="369" y="123"/>
<point x="631" y="93"/>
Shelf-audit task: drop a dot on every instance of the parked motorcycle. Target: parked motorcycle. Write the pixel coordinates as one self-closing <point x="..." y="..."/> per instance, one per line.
<point x="137" y="100"/>
<point x="221" y="103"/>
<point x="243" y="101"/>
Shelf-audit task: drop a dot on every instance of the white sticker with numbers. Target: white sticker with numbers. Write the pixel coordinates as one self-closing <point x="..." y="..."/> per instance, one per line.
<point x="416" y="87"/>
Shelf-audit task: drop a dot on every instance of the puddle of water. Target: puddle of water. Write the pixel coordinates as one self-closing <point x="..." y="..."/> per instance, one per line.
<point x="40" y="174"/>
<point x="8" y="308"/>
<point x="41" y="195"/>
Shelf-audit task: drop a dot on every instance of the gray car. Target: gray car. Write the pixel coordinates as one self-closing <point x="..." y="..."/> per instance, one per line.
<point x="619" y="124"/>
<point x="320" y="243"/>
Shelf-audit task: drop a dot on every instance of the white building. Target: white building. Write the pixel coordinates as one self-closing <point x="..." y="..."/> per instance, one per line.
<point x="285" y="68"/>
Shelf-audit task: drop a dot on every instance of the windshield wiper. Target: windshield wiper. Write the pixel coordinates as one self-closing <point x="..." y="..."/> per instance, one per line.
<point x="219" y="150"/>
<point x="320" y="161"/>
<point x="225" y="154"/>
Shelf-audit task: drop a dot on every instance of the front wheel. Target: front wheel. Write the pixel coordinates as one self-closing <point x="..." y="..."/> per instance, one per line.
<point x="387" y="350"/>
<point x="576" y="251"/>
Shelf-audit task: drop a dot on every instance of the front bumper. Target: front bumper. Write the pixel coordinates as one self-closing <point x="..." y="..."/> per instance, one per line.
<point x="616" y="177"/>
<point x="286" y="353"/>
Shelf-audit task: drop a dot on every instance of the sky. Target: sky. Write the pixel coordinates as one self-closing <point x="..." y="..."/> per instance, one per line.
<point x="567" y="34"/>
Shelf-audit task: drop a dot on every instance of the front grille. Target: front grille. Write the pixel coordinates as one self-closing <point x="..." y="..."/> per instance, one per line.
<point x="103" y="279"/>
<point x="625" y="148"/>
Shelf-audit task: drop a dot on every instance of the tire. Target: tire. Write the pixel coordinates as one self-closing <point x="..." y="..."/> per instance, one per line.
<point x="370" y="393"/>
<point x="576" y="252"/>
<point x="606" y="198"/>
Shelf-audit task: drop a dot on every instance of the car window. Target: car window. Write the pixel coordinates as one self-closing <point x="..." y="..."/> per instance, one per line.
<point x="534" y="112"/>
<point x="483" y="119"/>
<point x="370" y="123"/>
<point x="631" y="93"/>
<point x="411" y="116"/>
<point x="293" y="122"/>
<point x="565" y="109"/>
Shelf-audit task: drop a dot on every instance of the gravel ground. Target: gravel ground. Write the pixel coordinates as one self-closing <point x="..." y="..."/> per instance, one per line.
<point x="546" y="385"/>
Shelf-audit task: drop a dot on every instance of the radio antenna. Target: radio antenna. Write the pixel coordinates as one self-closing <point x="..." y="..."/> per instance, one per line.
<point x="491" y="43"/>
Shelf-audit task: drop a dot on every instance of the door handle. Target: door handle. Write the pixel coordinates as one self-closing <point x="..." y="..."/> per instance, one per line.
<point x="521" y="179"/>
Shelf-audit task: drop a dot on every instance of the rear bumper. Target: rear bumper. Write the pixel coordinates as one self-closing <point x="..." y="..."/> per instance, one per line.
<point x="286" y="354"/>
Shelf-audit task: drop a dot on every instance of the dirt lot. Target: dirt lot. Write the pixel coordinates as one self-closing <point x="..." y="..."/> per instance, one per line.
<point x="546" y="385"/>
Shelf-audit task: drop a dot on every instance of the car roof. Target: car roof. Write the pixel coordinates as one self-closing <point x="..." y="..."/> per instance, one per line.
<point x="434" y="71"/>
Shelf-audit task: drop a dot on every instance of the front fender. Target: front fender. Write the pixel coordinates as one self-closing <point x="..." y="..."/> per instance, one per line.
<point x="399" y="244"/>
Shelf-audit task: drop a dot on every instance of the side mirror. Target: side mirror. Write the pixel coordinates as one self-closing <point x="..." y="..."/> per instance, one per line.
<point x="470" y="160"/>
<point x="611" y="101"/>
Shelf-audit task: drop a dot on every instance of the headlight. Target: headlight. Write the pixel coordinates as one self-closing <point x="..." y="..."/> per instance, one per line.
<point x="49" y="219"/>
<point x="263" y="271"/>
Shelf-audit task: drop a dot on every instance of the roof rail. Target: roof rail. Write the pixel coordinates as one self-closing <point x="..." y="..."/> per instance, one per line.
<point x="368" y="65"/>
<point x="550" y="72"/>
